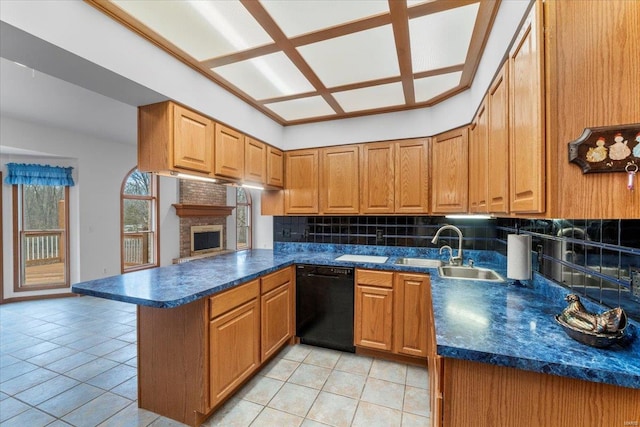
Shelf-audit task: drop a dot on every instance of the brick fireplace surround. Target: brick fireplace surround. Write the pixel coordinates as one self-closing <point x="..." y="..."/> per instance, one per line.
<point x="200" y="193"/>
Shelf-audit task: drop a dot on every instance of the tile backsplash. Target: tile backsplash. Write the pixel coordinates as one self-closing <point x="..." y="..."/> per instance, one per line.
<point x="591" y="257"/>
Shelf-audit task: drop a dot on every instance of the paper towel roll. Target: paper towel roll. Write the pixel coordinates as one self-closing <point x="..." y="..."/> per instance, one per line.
<point x="519" y="256"/>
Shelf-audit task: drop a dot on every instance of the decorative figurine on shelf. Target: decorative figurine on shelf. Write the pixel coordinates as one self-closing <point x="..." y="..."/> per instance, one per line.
<point x="598" y="153"/>
<point x="598" y="330"/>
<point x="636" y="150"/>
<point x="619" y="150"/>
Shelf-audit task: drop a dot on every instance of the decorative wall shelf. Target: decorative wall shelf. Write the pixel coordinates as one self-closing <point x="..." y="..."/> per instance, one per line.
<point x="184" y="210"/>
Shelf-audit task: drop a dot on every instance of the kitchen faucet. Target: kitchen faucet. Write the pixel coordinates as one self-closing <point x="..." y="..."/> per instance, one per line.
<point x="457" y="260"/>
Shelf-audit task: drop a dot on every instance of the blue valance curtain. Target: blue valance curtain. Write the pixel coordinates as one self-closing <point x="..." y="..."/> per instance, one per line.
<point x="22" y="173"/>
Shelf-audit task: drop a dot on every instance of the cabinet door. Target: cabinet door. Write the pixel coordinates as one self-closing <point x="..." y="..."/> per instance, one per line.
<point x="301" y="189"/>
<point x="374" y="317"/>
<point x="255" y="161"/>
<point x="412" y="176"/>
<point x="277" y="319"/>
<point x="339" y="192"/>
<point x="498" y="143"/>
<point x="411" y="317"/>
<point x="526" y="107"/>
<point x="234" y="349"/>
<point x="192" y="140"/>
<point x="377" y="178"/>
<point x="478" y="174"/>
<point x="228" y="153"/>
<point x="275" y="167"/>
<point x="450" y="171"/>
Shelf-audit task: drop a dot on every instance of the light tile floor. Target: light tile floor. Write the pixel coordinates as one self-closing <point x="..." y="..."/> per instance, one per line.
<point x="72" y="361"/>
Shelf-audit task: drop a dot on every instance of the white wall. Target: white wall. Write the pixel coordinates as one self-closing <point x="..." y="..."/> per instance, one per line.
<point x="99" y="168"/>
<point x="77" y="27"/>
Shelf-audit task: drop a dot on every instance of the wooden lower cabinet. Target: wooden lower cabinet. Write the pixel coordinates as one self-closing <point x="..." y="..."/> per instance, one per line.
<point x="374" y="317"/>
<point x="410" y="314"/>
<point x="234" y="349"/>
<point x="191" y="358"/>
<point x="277" y="311"/>
<point x="483" y="395"/>
<point x="392" y="312"/>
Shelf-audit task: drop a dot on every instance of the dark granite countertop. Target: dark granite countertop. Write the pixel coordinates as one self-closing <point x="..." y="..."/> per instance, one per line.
<point x="496" y="323"/>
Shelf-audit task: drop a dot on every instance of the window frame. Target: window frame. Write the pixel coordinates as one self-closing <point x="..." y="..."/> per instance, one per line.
<point x="18" y="225"/>
<point x="249" y="226"/>
<point x="154" y="198"/>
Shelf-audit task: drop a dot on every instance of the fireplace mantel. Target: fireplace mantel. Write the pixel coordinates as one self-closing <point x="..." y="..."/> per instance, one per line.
<point x="185" y="210"/>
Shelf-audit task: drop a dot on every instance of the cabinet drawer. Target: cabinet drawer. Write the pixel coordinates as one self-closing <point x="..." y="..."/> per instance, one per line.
<point x="232" y="298"/>
<point x="273" y="280"/>
<point x="382" y="279"/>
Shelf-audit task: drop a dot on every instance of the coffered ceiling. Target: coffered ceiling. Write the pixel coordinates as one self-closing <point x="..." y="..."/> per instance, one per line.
<point x="302" y="61"/>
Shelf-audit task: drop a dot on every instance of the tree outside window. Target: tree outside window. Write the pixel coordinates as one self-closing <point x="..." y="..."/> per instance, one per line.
<point x="43" y="233"/>
<point x="139" y="212"/>
<point x="243" y="219"/>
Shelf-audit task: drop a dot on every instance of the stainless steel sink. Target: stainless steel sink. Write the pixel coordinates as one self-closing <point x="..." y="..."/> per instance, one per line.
<point x="420" y="262"/>
<point x="469" y="273"/>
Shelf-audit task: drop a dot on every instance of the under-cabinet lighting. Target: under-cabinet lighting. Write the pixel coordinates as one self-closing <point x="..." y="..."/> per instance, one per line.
<point x="468" y="216"/>
<point x="255" y="187"/>
<point x="192" y="177"/>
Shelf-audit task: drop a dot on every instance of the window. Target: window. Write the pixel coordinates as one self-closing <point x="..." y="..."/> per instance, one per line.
<point x="138" y="218"/>
<point x="40" y="226"/>
<point x="42" y="231"/>
<point x="243" y="219"/>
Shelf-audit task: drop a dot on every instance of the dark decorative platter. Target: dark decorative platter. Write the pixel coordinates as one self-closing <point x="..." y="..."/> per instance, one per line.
<point x="607" y="149"/>
<point x="592" y="338"/>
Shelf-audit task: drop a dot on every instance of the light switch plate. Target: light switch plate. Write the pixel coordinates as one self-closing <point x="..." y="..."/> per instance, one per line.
<point x="634" y="272"/>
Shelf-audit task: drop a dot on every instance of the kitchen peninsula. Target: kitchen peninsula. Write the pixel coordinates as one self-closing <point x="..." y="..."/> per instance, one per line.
<point x="483" y="330"/>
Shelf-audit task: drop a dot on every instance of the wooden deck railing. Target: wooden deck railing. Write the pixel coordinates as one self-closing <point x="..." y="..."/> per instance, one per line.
<point x="136" y="248"/>
<point x="42" y="247"/>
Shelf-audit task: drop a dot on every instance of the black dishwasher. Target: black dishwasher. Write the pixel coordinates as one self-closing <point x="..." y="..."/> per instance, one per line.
<point x="324" y="306"/>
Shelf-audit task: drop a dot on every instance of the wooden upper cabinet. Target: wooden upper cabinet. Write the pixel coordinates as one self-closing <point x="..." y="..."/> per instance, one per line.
<point x="377" y="178"/>
<point x="498" y="143"/>
<point x="450" y="171"/>
<point x="339" y="189"/>
<point x="229" y="153"/>
<point x="255" y="161"/>
<point x="526" y="115"/>
<point x="591" y="81"/>
<point x="478" y="156"/>
<point x="301" y="189"/>
<point x="192" y="147"/>
<point x="412" y="176"/>
<point x="174" y="138"/>
<point x="275" y="167"/>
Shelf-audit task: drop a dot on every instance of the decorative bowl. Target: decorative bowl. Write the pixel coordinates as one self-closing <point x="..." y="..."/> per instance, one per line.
<point x="592" y="338"/>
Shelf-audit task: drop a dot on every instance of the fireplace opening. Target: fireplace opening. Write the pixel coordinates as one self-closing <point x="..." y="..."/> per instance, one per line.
<point x="206" y="238"/>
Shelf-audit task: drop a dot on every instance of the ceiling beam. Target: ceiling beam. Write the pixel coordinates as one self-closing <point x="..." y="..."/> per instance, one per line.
<point x="400" y="24"/>
<point x="271" y="27"/>
<point x="481" y="30"/>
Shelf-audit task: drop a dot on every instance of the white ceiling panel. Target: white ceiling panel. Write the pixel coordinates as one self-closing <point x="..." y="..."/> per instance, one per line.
<point x="430" y="87"/>
<point x="297" y="17"/>
<point x="362" y="56"/>
<point x="265" y="77"/>
<point x="331" y="58"/>
<point x="372" y="97"/>
<point x="442" y="39"/>
<point x="314" y="106"/>
<point x="202" y="28"/>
